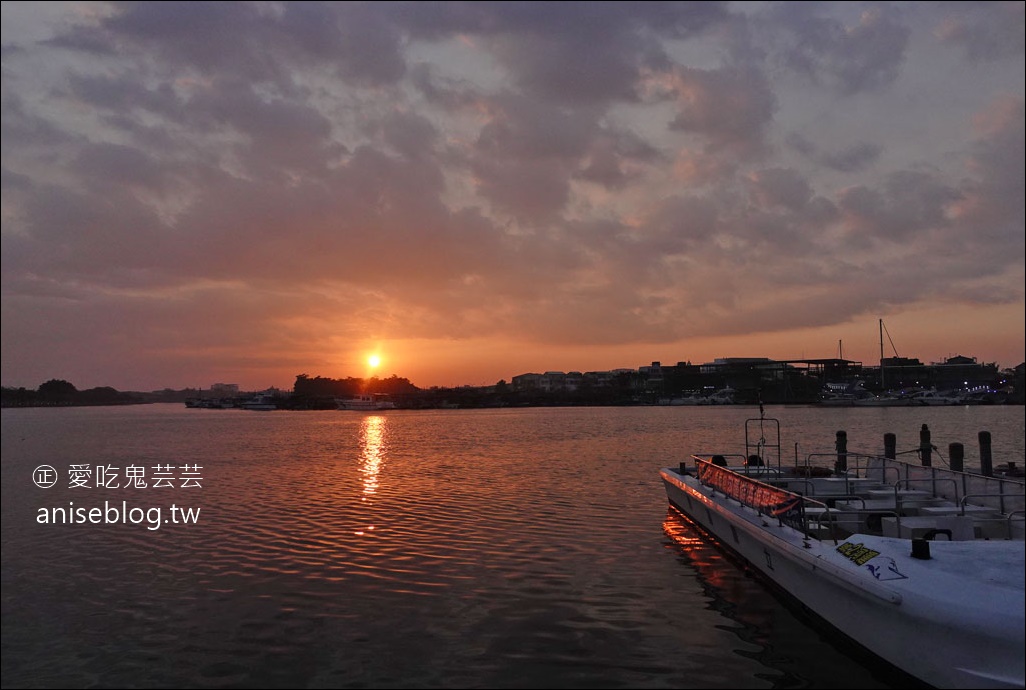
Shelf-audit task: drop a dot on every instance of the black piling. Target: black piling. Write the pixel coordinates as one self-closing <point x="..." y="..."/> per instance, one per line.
<point x="956" y="456"/>
<point x="890" y="446"/>
<point x="842" y="452"/>
<point x="925" y="447"/>
<point x="986" y="459"/>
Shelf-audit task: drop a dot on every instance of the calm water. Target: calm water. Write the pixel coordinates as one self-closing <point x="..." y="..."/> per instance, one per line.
<point x="485" y="548"/>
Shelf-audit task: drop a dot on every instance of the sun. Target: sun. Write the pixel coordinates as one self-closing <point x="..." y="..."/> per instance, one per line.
<point x="373" y="361"/>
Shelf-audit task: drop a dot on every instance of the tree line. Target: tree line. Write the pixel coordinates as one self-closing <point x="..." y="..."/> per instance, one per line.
<point x="58" y="392"/>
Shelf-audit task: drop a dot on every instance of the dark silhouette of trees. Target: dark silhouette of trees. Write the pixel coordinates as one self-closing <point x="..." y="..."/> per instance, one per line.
<point x="60" y="392"/>
<point x="57" y="392"/>
<point x="104" y="395"/>
<point x="321" y="387"/>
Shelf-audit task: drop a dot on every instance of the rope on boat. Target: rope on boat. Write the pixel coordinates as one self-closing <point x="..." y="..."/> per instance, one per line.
<point x="918" y="452"/>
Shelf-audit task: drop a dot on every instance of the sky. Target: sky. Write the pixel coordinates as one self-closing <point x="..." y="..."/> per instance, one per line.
<point x="244" y="192"/>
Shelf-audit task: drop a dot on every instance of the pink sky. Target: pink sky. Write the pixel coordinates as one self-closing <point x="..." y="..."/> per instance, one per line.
<point x="200" y="193"/>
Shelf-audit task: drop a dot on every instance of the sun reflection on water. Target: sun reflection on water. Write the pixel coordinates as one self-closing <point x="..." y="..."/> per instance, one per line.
<point x="372" y="453"/>
<point x="372" y="456"/>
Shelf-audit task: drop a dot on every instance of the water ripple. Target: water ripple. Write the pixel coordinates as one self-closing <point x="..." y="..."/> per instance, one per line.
<point x="502" y="548"/>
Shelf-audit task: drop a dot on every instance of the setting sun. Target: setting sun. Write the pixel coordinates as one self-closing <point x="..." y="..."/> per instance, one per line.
<point x="373" y="361"/>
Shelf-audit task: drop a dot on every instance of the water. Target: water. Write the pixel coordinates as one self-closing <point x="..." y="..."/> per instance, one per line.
<point x="479" y="548"/>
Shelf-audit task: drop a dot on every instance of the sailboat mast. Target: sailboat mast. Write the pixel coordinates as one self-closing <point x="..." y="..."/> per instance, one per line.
<point x="881" y="356"/>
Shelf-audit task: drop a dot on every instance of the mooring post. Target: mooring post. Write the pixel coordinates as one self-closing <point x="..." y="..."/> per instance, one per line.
<point x="986" y="459"/>
<point x="956" y="456"/>
<point x="890" y="446"/>
<point x="925" y="447"/>
<point x="842" y="452"/>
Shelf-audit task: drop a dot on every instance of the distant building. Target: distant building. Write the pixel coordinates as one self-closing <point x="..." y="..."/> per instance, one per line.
<point x="954" y="373"/>
<point x="552" y="381"/>
<point x="755" y="379"/>
<point x="527" y="382"/>
<point x="652" y="376"/>
<point x="225" y="390"/>
<point x="734" y="362"/>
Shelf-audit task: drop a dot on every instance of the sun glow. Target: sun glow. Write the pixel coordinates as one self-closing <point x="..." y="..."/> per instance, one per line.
<point x="373" y="361"/>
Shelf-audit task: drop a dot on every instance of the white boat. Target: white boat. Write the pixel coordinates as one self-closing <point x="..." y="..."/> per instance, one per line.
<point x="690" y="398"/>
<point x="935" y="397"/>
<point x="888" y="400"/>
<point x="262" y="402"/>
<point x="844" y="395"/>
<point x="366" y="403"/>
<point x="724" y="396"/>
<point x="856" y="395"/>
<point x="922" y="566"/>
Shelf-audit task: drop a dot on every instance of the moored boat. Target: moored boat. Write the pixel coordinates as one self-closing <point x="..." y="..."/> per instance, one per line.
<point x="935" y="397"/>
<point x="922" y="566"/>
<point x="262" y="402"/>
<point x="365" y="403"/>
<point x="723" y="396"/>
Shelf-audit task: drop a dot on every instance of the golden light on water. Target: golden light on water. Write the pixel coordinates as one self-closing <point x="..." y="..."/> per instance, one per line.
<point x="372" y="456"/>
<point x="700" y="550"/>
<point x="372" y="441"/>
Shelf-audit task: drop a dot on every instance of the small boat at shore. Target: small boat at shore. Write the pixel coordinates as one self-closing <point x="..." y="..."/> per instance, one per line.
<point x="921" y="566"/>
<point x="260" y="403"/>
<point x="365" y="403"/>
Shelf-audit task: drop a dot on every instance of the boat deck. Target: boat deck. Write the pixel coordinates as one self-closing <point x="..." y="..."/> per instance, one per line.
<point x="921" y="566"/>
<point x="892" y="498"/>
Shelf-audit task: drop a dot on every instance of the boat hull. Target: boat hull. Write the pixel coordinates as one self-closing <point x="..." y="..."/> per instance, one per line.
<point x="911" y="614"/>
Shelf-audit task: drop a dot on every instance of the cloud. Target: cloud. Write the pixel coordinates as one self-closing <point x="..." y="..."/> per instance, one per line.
<point x="986" y="31"/>
<point x="527" y="152"/>
<point x="729" y="108"/>
<point x="567" y="52"/>
<point x="849" y="57"/>
<point x="992" y="211"/>
<point x="780" y="187"/>
<point x="253" y="42"/>
<point x="411" y="135"/>
<point x="853" y="158"/>
<point x="554" y="173"/>
<point x="909" y="205"/>
<point x="615" y="158"/>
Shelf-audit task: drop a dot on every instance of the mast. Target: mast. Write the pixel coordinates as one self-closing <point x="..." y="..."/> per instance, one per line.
<point x="881" y="356"/>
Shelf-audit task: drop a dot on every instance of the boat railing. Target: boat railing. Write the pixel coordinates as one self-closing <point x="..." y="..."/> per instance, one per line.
<point x="811" y="516"/>
<point x="867" y="465"/>
<point x="900" y="500"/>
<point x="810" y="486"/>
<point x="809" y="467"/>
<point x="767" y="500"/>
<point x="965" y="500"/>
<point x="1014" y="515"/>
<point x="934" y="493"/>
<point x="1006" y="517"/>
<point x="999" y="493"/>
<point x="851" y="498"/>
<point x="825" y="512"/>
<point x="760" y="446"/>
<point x="1005" y="494"/>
